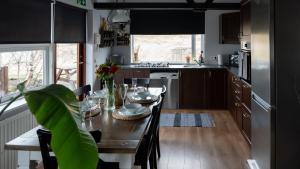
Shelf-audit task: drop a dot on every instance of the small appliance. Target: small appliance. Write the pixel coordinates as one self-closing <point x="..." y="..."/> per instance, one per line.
<point x="234" y="60"/>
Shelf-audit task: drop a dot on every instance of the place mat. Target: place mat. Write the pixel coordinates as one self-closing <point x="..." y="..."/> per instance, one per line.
<point x="119" y="116"/>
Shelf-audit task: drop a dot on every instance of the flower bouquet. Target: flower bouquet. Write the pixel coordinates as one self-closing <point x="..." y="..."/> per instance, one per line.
<point x="105" y="72"/>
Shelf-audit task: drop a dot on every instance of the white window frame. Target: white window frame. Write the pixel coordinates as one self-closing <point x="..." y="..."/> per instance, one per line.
<point x="29" y="47"/>
<point x="194" y="45"/>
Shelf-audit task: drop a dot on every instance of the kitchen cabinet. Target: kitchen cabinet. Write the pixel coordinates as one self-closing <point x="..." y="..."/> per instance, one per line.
<point x="203" y="89"/>
<point x="229" y="28"/>
<point x="245" y="18"/>
<point x="216" y="89"/>
<point x="239" y="104"/>
<point x="192" y="89"/>
<point x="230" y="96"/>
<point x="131" y="73"/>
<point x="246" y="123"/>
<point x="246" y="95"/>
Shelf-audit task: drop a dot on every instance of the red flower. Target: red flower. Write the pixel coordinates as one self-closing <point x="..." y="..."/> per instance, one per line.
<point x="114" y="68"/>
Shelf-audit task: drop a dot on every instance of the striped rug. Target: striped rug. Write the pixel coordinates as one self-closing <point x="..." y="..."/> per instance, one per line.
<point x="186" y="120"/>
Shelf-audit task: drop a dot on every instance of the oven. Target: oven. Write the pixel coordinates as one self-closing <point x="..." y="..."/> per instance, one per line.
<point x="245" y="65"/>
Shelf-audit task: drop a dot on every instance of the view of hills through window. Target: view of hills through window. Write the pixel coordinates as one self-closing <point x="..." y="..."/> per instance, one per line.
<point x="166" y="48"/>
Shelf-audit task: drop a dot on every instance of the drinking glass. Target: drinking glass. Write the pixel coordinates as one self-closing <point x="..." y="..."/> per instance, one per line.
<point x="123" y="92"/>
<point x="134" y="84"/>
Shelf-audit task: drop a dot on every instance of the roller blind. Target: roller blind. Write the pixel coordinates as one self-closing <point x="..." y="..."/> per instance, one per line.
<point x="25" y="21"/>
<point x="70" y="24"/>
<point x="167" y="22"/>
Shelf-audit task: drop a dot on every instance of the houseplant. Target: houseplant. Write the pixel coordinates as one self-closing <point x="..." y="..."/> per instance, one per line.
<point x="55" y="107"/>
<point x="105" y="72"/>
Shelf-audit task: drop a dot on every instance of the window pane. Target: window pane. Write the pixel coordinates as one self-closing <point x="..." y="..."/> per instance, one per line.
<point x="199" y="45"/>
<point x="66" y="65"/>
<point x="162" y="48"/>
<point x="18" y="66"/>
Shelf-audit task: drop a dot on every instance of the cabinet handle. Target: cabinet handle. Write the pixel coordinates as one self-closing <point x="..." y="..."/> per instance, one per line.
<point x="246" y="115"/>
<point x="237" y="105"/>
<point x="209" y="74"/>
<point x="236" y="92"/>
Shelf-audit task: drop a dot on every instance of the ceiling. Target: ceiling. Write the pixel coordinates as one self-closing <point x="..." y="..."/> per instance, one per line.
<point x="197" y="1"/>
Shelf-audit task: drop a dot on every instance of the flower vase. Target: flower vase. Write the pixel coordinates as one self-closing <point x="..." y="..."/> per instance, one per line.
<point x="110" y="97"/>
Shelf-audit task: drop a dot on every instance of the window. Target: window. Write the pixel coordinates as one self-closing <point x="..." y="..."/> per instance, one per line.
<point x="166" y="48"/>
<point x="18" y="65"/>
<point x="66" y="65"/>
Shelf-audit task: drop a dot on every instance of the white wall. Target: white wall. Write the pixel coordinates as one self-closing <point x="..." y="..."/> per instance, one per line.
<point x="94" y="55"/>
<point x="212" y="46"/>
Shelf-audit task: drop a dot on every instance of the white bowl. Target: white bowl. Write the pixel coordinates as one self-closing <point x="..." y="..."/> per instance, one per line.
<point x="132" y="107"/>
<point x="143" y="95"/>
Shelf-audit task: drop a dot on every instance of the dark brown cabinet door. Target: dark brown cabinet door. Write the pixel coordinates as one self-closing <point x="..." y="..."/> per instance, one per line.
<point x="239" y="115"/>
<point x="230" y="28"/>
<point x="230" y="102"/>
<point x="246" y="95"/>
<point x="246" y="18"/>
<point x="192" y="89"/>
<point x="216" y="94"/>
<point x="246" y="127"/>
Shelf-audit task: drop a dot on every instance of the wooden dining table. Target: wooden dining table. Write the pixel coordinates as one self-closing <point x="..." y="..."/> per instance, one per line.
<point x="119" y="137"/>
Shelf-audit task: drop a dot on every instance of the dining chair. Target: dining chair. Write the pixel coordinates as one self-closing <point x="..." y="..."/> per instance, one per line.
<point x="147" y="150"/>
<point x="50" y="162"/>
<point x="157" y="145"/>
<point x="44" y="136"/>
<point x="83" y="91"/>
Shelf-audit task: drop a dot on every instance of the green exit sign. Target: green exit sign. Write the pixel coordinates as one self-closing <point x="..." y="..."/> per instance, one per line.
<point x="81" y="2"/>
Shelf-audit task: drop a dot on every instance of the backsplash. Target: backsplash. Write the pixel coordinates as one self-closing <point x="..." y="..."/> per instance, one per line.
<point x="212" y="60"/>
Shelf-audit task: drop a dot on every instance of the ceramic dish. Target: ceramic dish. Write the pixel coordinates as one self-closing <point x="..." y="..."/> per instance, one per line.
<point x="142" y="97"/>
<point x="133" y="109"/>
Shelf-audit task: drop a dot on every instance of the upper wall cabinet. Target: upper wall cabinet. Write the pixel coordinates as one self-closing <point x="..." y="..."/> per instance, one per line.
<point x="245" y="18"/>
<point x="229" y="28"/>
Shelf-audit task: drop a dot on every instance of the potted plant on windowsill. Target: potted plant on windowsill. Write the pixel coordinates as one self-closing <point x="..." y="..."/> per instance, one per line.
<point x="56" y="108"/>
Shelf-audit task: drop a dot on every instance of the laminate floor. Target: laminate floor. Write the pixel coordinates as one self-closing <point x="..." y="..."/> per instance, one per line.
<point x="222" y="147"/>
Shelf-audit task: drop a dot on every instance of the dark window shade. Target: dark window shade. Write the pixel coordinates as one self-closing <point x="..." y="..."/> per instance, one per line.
<point x="70" y="24"/>
<point x="158" y="22"/>
<point x="25" y="21"/>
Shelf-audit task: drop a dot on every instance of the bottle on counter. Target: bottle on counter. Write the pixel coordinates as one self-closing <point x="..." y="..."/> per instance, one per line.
<point x="201" y="57"/>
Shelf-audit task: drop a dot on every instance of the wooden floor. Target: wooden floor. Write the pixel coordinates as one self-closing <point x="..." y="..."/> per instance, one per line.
<point x="222" y="147"/>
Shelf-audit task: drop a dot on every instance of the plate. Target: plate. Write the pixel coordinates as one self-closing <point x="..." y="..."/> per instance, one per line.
<point x="142" y="97"/>
<point x="133" y="112"/>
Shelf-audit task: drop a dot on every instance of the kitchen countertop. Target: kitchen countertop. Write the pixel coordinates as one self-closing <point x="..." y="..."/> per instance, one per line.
<point x="233" y="70"/>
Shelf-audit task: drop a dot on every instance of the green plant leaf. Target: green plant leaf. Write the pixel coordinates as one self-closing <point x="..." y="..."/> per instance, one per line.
<point x="56" y="108"/>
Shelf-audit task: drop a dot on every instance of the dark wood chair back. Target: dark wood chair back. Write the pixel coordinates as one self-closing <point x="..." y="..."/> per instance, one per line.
<point x="83" y="91"/>
<point x="45" y="139"/>
<point x="146" y="149"/>
<point x="50" y="161"/>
